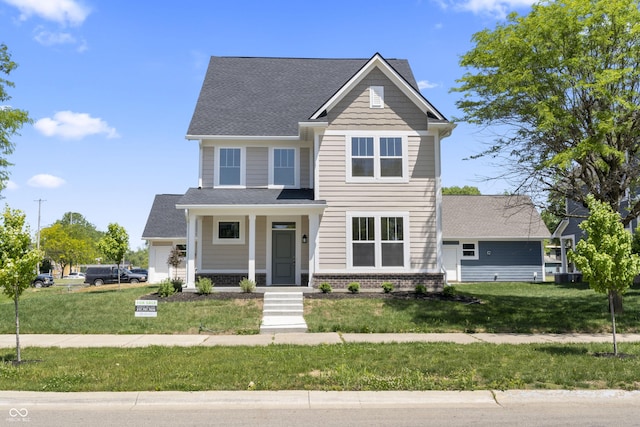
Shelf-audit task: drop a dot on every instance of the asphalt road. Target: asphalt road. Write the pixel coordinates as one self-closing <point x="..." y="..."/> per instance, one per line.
<point x="532" y="415"/>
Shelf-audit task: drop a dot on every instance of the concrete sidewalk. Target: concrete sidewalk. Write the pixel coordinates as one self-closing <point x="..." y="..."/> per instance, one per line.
<point x="300" y="399"/>
<point x="143" y="340"/>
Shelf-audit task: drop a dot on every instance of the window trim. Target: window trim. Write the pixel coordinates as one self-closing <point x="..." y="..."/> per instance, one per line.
<point x="475" y="255"/>
<point x="377" y="178"/>
<point x="216" y="231"/>
<point x="243" y="167"/>
<point x="296" y="167"/>
<point x="378" y="242"/>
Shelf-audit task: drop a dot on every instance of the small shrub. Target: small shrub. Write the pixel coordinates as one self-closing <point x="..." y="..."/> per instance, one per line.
<point x="325" y="288"/>
<point x="354" y="287"/>
<point x="449" y="291"/>
<point x="247" y="286"/>
<point x="421" y="289"/>
<point x="166" y="289"/>
<point x="387" y="287"/>
<point x="177" y="284"/>
<point x="204" y="285"/>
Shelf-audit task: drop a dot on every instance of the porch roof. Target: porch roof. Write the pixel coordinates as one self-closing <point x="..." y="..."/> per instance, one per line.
<point x="202" y="197"/>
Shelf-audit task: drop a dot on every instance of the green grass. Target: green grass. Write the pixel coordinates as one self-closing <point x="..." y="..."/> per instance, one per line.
<point x="506" y="307"/>
<point x="416" y="366"/>
<point x="107" y="310"/>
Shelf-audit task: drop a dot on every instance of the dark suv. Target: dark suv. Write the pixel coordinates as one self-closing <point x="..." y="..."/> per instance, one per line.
<point x="42" y="280"/>
<point x="109" y="274"/>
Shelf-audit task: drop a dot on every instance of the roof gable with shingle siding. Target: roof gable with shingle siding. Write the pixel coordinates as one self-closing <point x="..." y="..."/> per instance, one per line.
<point x="491" y="217"/>
<point x="271" y="96"/>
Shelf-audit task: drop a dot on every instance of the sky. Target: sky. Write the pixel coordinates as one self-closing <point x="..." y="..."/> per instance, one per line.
<point x="111" y="86"/>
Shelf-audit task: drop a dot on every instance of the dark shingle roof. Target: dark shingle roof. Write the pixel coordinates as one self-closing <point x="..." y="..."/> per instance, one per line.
<point x="249" y="196"/>
<point x="270" y="96"/>
<point x="165" y="221"/>
<point x="482" y="217"/>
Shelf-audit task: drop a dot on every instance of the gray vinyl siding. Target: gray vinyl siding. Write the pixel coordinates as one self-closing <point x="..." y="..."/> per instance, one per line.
<point x="304" y="168"/>
<point x="353" y="111"/>
<point x="232" y="257"/>
<point x="417" y="197"/>
<point x="508" y="261"/>
<point x="208" y="165"/>
<point x="257" y="167"/>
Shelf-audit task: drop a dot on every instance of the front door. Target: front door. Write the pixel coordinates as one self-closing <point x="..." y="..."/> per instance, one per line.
<point x="284" y="257"/>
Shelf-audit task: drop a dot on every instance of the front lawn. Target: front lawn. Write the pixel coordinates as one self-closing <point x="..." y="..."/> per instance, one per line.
<point x="505" y="307"/>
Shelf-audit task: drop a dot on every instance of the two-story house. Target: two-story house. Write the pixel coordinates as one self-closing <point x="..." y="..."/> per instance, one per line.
<point x="310" y="171"/>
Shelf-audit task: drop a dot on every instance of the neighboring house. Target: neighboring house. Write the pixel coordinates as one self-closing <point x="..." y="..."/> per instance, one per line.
<point x="492" y="238"/>
<point x="166" y="228"/>
<point x="569" y="232"/>
<point x="310" y="171"/>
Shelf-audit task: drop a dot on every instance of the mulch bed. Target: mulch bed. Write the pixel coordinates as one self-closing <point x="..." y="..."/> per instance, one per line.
<point x="401" y="295"/>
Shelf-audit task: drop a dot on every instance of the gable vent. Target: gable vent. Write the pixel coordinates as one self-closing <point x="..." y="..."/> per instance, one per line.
<point x="376" y="96"/>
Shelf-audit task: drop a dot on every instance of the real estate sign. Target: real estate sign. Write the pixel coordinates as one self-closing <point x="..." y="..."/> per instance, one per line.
<point x="146" y="308"/>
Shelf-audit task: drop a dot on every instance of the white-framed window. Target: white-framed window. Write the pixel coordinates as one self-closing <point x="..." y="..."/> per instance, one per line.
<point x="469" y="250"/>
<point x="231" y="164"/>
<point x="228" y="231"/>
<point x="378" y="240"/>
<point x="376" y="96"/>
<point x="283" y="168"/>
<point x="377" y="158"/>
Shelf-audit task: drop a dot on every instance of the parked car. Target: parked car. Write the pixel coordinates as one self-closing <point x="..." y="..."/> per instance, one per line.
<point x="43" y="280"/>
<point x="139" y="271"/>
<point x="74" y="275"/>
<point x="109" y="274"/>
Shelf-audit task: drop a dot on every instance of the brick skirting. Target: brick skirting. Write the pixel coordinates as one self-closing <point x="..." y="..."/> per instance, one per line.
<point x="228" y="280"/>
<point x="433" y="282"/>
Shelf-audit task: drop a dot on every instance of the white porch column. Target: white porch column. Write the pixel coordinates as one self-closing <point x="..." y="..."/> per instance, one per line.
<point x="314" y="225"/>
<point x="191" y="251"/>
<point x="252" y="247"/>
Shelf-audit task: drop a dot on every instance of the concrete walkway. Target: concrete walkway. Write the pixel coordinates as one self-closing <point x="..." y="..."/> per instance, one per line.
<point x="142" y="340"/>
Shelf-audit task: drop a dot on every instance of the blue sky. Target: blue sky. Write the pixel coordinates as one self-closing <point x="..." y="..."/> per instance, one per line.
<point x="111" y="86"/>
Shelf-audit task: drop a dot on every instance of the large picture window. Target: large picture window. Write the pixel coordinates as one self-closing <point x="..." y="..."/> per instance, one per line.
<point x="378" y="241"/>
<point x="377" y="158"/>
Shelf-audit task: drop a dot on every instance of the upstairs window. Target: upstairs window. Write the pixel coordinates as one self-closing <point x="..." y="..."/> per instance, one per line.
<point x="362" y="158"/>
<point x="376" y="97"/>
<point x="283" y="167"/>
<point x="230" y="167"/>
<point x="377" y="158"/>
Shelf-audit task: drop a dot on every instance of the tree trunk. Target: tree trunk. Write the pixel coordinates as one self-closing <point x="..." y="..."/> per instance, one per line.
<point x="15" y="302"/>
<point x="612" y="308"/>
<point x="617" y="302"/>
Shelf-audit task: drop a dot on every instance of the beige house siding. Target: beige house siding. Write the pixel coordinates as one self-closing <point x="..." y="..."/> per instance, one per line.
<point x="416" y="197"/>
<point x="257" y="167"/>
<point x="353" y="111"/>
<point x="232" y="257"/>
<point x="304" y="168"/>
<point x="208" y="165"/>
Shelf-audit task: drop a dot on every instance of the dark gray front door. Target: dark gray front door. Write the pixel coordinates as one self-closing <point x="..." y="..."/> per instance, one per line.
<point x="284" y="257"/>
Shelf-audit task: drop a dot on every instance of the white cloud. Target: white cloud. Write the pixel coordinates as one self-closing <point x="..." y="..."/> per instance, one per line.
<point x="47" y="38"/>
<point x="63" y="12"/>
<point x="425" y="84"/>
<point x="44" y="180"/>
<point x="10" y="185"/>
<point x="70" y="125"/>
<point x="496" y="8"/>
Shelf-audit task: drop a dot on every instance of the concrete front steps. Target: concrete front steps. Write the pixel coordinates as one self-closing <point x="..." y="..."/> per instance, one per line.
<point x="282" y="312"/>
